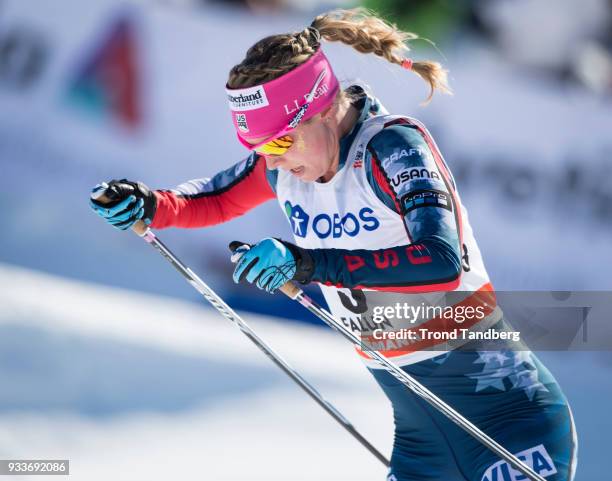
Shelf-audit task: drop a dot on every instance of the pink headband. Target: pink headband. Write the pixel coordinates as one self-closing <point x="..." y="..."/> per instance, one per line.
<point x="265" y="110"/>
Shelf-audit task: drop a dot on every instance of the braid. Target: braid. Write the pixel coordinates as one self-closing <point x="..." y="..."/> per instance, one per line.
<point x="276" y="55"/>
<point x="364" y="32"/>
<point x="367" y="33"/>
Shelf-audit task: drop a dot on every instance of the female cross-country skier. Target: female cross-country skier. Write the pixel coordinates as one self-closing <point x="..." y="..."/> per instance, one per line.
<point x="377" y="221"/>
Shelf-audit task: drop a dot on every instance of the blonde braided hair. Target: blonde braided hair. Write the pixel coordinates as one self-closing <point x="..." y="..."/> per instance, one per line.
<point x="276" y="55"/>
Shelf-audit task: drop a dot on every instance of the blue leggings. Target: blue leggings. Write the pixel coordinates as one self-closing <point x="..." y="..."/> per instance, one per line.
<point x="509" y="395"/>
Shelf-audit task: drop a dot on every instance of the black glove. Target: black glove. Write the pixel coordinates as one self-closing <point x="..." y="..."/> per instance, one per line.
<point x="126" y="202"/>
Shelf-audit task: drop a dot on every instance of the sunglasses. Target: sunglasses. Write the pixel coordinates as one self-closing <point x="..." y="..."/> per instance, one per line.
<point x="281" y="142"/>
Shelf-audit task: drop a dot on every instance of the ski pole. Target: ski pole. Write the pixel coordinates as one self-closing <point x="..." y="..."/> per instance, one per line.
<point x="294" y="292"/>
<point x="199" y="285"/>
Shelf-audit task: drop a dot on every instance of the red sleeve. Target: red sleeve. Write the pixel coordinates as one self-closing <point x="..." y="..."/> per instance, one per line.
<point x="209" y="206"/>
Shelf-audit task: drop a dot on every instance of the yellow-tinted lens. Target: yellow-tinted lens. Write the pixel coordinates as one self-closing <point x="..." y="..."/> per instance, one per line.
<point x="277" y="146"/>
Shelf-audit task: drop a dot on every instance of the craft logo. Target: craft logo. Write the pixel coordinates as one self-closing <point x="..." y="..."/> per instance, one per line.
<point x="241" y="122"/>
<point x="398" y="155"/>
<point x="108" y="83"/>
<point x="334" y="225"/>
<point x="247" y="99"/>
<point x="537" y="458"/>
<point x="411" y="174"/>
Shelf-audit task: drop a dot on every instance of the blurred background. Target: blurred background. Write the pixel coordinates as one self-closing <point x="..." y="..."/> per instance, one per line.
<point x="109" y="358"/>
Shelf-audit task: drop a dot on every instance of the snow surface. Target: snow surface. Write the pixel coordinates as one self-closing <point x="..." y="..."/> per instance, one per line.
<point x="130" y="386"/>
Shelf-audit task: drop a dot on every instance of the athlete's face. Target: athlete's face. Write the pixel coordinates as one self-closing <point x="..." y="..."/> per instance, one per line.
<point x="315" y="150"/>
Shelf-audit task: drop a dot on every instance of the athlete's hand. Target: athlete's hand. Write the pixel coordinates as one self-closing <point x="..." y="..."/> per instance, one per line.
<point x="130" y="202"/>
<point x="271" y="263"/>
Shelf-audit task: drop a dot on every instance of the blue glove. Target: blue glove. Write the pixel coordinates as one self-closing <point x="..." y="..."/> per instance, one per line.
<point x="130" y="202"/>
<point x="271" y="263"/>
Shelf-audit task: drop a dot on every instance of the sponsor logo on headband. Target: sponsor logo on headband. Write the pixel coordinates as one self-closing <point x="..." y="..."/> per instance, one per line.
<point x="241" y="122"/>
<point x="247" y="99"/>
<point x="295" y="105"/>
